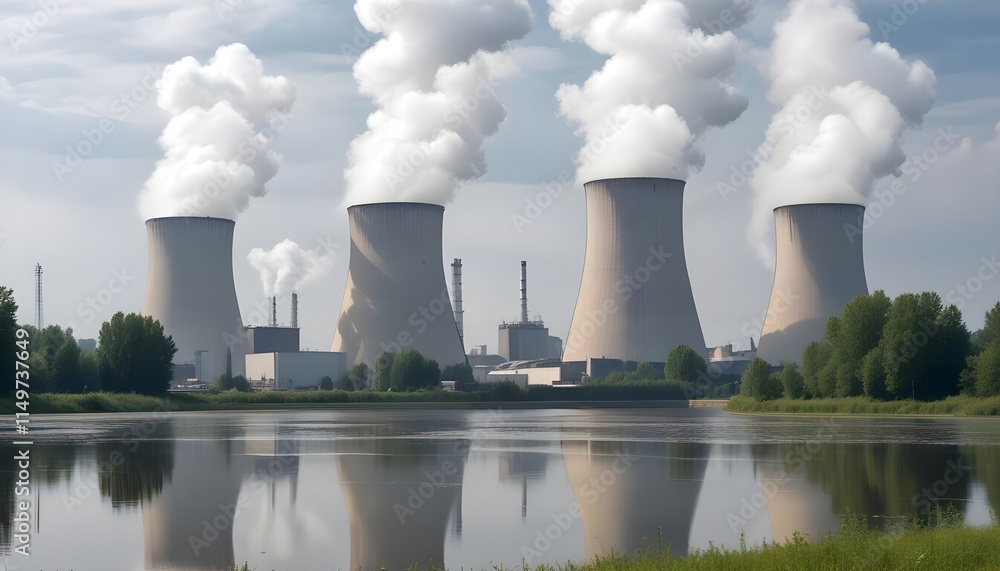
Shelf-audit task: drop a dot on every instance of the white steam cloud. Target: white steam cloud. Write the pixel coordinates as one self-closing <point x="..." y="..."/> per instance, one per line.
<point x="288" y="267"/>
<point x="844" y="103"/>
<point x="216" y="154"/>
<point x="432" y="78"/>
<point x="664" y="84"/>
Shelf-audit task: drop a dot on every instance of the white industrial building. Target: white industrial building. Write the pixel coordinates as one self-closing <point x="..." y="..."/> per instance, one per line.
<point x="396" y="297"/>
<point x="819" y="267"/>
<point x="190" y="290"/>
<point x="294" y="369"/>
<point x="635" y="301"/>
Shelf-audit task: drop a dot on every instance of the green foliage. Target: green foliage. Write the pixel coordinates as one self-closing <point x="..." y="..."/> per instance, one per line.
<point x="873" y="375"/>
<point x="990" y="333"/>
<point x="461" y="374"/>
<point x="383" y="370"/>
<point x="411" y="371"/>
<point x="357" y="378"/>
<point x="226" y="383"/>
<point x="758" y="382"/>
<point x="954" y="406"/>
<point x="684" y="364"/>
<point x="90" y="366"/>
<point x="814" y="359"/>
<point x="135" y="355"/>
<point x="791" y="381"/>
<point x="647" y="372"/>
<point x="326" y="383"/>
<point x="65" y="367"/>
<point x="986" y="371"/>
<point x="8" y="338"/>
<point x="852" y="336"/>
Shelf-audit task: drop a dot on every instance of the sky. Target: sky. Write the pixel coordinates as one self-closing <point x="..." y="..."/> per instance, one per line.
<point x="86" y="71"/>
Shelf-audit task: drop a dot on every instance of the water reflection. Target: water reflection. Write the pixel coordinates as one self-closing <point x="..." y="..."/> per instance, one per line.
<point x="521" y="465"/>
<point x="401" y="494"/>
<point x="189" y="524"/>
<point x="133" y="472"/>
<point x="629" y="492"/>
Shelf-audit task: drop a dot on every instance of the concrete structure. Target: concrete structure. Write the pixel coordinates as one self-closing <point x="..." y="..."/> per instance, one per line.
<point x="654" y="491"/>
<point x="295" y="370"/>
<point x="523" y="341"/>
<point x="396" y="297"/>
<point x="723" y="360"/>
<point x="272" y="339"/>
<point x="456" y="293"/>
<point x="190" y="290"/>
<point x="819" y="267"/>
<point x="555" y="347"/>
<point x="527" y="375"/>
<point x="635" y="301"/>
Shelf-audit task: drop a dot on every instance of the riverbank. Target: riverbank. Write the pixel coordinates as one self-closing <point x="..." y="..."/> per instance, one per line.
<point x="853" y="547"/>
<point x="509" y="397"/>
<point x="951" y="406"/>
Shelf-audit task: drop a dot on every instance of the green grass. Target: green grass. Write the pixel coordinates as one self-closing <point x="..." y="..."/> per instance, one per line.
<point x="854" y="547"/>
<point x="50" y="403"/>
<point x="957" y="406"/>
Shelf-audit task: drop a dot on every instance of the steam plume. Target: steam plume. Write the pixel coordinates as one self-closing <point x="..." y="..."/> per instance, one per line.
<point x="664" y="84"/>
<point x="223" y="115"/>
<point x="844" y="103"/>
<point x="432" y="79"/>
<point x="288" y="267"/>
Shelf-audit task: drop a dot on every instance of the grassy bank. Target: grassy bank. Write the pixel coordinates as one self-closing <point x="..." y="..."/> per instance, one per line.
<point x="956" y="406"/>
<point x="854" y="547"/>
<point x="46" y="403"/>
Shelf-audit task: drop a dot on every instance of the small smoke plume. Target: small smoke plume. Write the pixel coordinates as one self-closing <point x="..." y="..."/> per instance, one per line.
<point x="288" y="267"/>
<point x="664" y="84"/>
<point x="844" y="103"/>
<point x="223" y="115"/>
<point x="432" y="77"/>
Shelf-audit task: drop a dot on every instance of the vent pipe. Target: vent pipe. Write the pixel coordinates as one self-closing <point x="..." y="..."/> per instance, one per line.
<point x="273" y="321"/>
<point x="295" y="310"/>
<point x="456" y="291"/>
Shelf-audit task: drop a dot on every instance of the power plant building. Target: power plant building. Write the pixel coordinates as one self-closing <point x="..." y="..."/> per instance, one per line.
<point x="191" y="291"/>
<point x="819" y="267"/>
<point x="294" y="370"/>
<point x="272" y="339"/>
<point x="524" y="339"/>
<point x="396" y="297"/>
<point x="635" y="302"/>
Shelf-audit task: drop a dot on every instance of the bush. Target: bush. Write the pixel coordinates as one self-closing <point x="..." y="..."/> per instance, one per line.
<point x="684" y="364"/>
<point x="791" y="381"/>
<point x="326" y="383"/>
<point x="226" y="383"/>
<point x="461" y="374"/>
<point x="758" y="382"/>
<point x="411" y="371"/>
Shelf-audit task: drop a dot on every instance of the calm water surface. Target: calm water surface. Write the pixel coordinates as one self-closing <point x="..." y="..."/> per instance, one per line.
<point x="359" y="489"/>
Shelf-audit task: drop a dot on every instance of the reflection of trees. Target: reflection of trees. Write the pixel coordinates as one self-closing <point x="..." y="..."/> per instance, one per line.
<point x="133" y="472"/>
<point x="883" y="481"/>
<point x="986" y="460"/>
<point x="628" y="492"/>
<point x="400" y="494"/>
<point x="8" y="475"/>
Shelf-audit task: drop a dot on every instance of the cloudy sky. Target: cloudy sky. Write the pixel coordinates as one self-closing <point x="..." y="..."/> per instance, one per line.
<point x="93" y="65"/>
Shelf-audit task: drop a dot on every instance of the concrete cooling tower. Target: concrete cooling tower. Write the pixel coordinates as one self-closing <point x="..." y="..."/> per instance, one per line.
<point x="396" y="297"/>
<point x="819" y="267"/>
<point x="635" y="301"/>
<point x="191" y="291"/>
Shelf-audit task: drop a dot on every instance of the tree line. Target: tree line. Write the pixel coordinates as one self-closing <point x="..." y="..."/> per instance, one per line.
<point x="910" y="347"/>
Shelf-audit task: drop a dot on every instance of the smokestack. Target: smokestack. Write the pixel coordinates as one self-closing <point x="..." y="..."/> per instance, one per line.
<point x="190" y="290"/>
<point x="396" y="296"/>
<point x="635" y="301"/>
<point x="456" y="290"/>
<point x="524" y="291"/>
<point x="819" y="267"/>
<point x="295" y="310"/>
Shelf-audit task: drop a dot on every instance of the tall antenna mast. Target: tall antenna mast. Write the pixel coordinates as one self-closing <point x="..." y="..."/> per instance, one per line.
<point x="39" y="319"/>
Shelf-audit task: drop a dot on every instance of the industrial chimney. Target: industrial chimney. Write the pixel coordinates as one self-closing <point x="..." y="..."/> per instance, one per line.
<point x="635" y="301"/>
<point x="396" y="297"/>
<point x="456" y="291"/>
<point x="819" y="267"/>
<point x="295" y="310"/>
<point x="524" y="291"/>
<point x="190" y="290"/>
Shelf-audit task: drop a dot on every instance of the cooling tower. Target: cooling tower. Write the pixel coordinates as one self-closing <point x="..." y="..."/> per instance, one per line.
<point x="396" y="297"/>
<point x="635" y="301"/>
<point x="190" y="290"/>
<point x="819" y="267"/>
